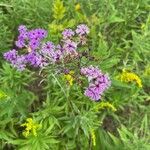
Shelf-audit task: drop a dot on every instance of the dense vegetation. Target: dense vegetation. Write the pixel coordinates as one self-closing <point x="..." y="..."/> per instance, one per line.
<point x="45" y="108"/>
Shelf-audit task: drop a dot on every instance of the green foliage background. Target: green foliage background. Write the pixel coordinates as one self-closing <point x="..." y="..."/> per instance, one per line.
<point x="119" y="38"/>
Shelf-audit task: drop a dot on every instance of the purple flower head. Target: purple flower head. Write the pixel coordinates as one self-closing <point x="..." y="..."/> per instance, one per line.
<point x="23" y="35"/>
<point x="22" y="29"/>
<point x="34" y="44"/>
<point x="48" y="51"/>
<point x="10" y="55"/>
<point x="47" y="48"/>
<point x="19" y="63"/>
<point x="37" y="34"/>
<point x="20" y="43"/>
<point x="41" y="33"/>
<point x="70" y="46"/>
<point x="30" y="38"/>
<point x="34" y="59"/>
<point x="90" y="92"/>
<point x="98" y="82"/>
<point x="68" y="33"/>
<point x="91" y="72"/>
<point x="82" y="29"/>
<point x="16" y="61"/>
<point x="32" y="35"/>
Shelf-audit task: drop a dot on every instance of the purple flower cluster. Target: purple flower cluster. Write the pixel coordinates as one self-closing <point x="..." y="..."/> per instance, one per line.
<point x="34" y="59"/>
<point x="31" y="41"/>
<point x="68" y="33"/>
<point x="70" y="47"/>
<point x="30" y="38"/>
<point x="16" y="60"/>
<point x="39" y="54"/>
<point x="82" y="29"/>
<point x="51" y="52"/>
<point x="11" y="55"/>
<point x="98" y="82"/>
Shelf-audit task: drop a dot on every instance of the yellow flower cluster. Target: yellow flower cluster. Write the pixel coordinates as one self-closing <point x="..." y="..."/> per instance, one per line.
<point x="2" y="95"/>
<point x="93" y="137"/>
<point x="69" y="77"/>
<point x="130" y="77"/>
<point x="105" y="105"/>
<point x="30" y="127"/>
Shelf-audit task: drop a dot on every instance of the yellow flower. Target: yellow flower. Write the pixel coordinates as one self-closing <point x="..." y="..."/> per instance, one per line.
<point x="30" y="127"/>
<point x="93" y="137"/>
<point x="69" y="77"/>
<point x="77" y="7"/>
<point x="105" y="105"/>
<point x="130" y="77"/>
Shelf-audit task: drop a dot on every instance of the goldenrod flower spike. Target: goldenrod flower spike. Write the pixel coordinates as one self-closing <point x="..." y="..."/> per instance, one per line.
<point x="130" y="77"/>
<point x="30" y="127"/>
<point x="105" y="105"/>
